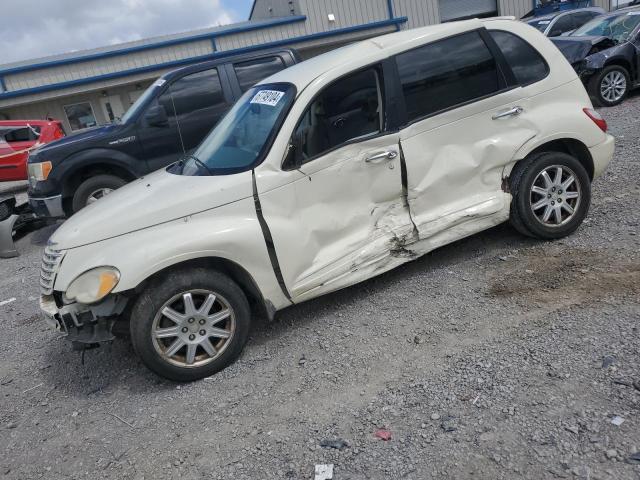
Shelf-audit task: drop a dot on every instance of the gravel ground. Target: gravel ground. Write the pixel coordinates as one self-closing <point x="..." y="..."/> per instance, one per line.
<point x="497" y="357"/>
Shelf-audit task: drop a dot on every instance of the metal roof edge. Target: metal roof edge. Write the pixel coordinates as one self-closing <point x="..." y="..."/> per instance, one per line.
<point x="151" y="46"/>
<point x="216" y="55"/>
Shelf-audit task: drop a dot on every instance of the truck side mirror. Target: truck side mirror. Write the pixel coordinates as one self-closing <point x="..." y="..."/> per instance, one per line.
<point x="157" y="116"/>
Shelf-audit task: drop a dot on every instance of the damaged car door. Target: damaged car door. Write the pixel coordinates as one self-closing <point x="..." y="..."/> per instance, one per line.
<point x="466" y="118"/>
<point x="343" y="215"/>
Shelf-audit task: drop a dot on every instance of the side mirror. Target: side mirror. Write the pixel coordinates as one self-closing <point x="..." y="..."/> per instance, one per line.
<point x="156" y="116"/>
<point x="293" y="158"/>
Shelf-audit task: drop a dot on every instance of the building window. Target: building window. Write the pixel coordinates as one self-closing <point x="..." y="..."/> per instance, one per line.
<point x="80" y="116"/>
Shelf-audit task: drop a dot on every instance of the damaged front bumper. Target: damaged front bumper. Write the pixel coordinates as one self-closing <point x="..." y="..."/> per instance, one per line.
<point x="84" y="324"/>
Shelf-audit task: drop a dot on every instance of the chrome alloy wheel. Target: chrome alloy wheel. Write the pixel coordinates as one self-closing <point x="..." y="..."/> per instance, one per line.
<point x="555" y="196"/>
<point x="98" y="194"/>
<point x="613" y="86"/>
<point x="193" y="328"/>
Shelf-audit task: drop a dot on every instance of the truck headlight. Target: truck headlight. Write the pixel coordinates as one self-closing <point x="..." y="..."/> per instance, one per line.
<point x="39" y="172"/>
<point x="93" y="285"/>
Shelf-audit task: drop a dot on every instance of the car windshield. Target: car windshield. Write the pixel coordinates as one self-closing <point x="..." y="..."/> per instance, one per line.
<point x="617" y="27"/>
<point x="243" y="136"/>
<point x="540" y="24"/>
<point x="142" y="101"/>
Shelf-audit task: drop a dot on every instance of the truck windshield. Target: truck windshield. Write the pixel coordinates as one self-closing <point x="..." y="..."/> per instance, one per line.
<point x="244" y="135"/>
<point x="139" y="104"/>
<point x="540" y="24"/>
<point x="615" y="27"/>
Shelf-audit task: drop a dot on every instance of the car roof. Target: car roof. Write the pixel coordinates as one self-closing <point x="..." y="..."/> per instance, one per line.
<point x="16" y="123"/>
<point x="622" y="11"/>
<point x="551" y="16"/>
<point x="228" y="58"/>
<point x="370" y="50"/>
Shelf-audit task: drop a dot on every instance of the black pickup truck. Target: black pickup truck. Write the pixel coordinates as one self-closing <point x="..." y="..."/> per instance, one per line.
<point x="168" y="121"/>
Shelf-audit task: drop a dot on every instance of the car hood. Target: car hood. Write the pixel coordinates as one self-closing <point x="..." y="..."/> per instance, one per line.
<point x="576" y="49"/>
<point x="69" y="142"/>
<point x="157" y="198"/>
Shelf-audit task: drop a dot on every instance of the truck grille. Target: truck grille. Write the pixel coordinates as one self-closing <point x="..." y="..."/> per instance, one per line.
<point x="51" y="260"/>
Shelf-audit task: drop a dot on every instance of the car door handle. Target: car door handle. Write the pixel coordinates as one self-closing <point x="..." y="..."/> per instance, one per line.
<point x="513" y="112"/>
<point x="381" y="157"/>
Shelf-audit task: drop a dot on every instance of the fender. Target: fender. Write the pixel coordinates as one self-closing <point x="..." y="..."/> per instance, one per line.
<point x="224" y="232"/>
<point x="97" y="157"/>
<point x="535" y="143"/>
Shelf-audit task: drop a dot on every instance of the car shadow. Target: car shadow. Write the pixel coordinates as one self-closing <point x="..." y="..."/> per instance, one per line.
<point x="115" y="367"/>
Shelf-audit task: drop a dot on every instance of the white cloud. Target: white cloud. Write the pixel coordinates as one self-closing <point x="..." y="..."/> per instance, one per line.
<point x="33" y="28"/>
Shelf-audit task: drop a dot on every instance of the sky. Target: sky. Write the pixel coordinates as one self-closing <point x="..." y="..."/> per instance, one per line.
<point x="37" y="28"/>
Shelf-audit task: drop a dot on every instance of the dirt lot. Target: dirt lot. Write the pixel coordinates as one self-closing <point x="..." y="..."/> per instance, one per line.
<point x="497" y="357"/>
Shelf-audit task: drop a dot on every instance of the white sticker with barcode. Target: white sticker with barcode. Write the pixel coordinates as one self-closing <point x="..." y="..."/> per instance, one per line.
<point x="544" y="22"/>
<point x="267" y="97"/>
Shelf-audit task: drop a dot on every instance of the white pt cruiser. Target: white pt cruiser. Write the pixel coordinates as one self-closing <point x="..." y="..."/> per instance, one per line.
<point x="327" y="174"/>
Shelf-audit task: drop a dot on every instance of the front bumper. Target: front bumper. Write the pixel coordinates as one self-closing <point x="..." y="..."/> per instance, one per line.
<point x="86" y="324"/>
<point x="48" y="207"/>
<point x="602" y="154"/>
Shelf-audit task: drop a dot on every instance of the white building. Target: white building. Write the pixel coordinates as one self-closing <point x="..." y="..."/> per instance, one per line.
<point x="94" y="86"/>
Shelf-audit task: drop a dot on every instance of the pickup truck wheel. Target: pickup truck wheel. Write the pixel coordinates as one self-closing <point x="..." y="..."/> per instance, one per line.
<point x="609" y="87"/>
<point x="190" y="324"/>
<point x="551" y="195"/>
<point x="94" y="188"/>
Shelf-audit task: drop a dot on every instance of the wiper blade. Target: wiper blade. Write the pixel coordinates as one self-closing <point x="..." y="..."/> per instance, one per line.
<point x="198" y="162"/>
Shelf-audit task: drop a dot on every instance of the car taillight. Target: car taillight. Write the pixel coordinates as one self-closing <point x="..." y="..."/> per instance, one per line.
<point x="597" y="118"/>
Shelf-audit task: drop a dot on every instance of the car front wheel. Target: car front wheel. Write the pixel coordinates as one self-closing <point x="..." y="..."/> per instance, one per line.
<point x="610" y="86"/>
<point x="551" y="195"/>
<point x="190" y="325"/>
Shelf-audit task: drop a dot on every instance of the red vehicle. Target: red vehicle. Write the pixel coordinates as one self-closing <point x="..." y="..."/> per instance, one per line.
<point x="18" y="138"/>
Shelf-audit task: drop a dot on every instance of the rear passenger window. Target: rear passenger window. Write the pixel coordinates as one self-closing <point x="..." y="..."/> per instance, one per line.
<point x="447" y="73"/>
<point x="527" y="64"/>
<point x="251" y="72"/>
<point x="20" y="134"/>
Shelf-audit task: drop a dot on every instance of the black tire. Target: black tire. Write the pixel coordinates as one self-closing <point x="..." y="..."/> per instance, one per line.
<point x="158" y="293"/>
<point x="595" y="83"/>
<point x="86" y="188"/>
<point x="522" y="179"/>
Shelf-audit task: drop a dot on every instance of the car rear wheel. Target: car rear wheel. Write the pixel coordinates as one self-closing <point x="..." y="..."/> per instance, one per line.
<point x="551" y="195"/>
<point x="190" y="325"/>
<point x="95" y="188"/>
<point x="610" y="86"/>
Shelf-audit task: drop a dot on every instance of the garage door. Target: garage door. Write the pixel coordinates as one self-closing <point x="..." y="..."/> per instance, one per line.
<point x="456" y="9"/>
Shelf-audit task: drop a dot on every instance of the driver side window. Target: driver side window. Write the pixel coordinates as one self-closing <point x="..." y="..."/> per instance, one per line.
<point x="347" y="110"/>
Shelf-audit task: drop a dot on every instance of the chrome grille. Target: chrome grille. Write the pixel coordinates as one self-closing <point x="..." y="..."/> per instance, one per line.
<point x="50" y="262"/>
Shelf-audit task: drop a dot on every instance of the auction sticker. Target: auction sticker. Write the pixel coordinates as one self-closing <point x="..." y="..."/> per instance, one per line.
<point x="267" y="97"/>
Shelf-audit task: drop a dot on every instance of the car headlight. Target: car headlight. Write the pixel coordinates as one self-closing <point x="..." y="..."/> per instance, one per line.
<point x="93" y="285"/>
<point x="39" y="172"/>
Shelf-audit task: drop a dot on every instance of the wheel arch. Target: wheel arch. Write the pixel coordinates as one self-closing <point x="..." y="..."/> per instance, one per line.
<point x="621" y="62"/>
<point x="568" y="145"/>
<point x="259" y="305"/>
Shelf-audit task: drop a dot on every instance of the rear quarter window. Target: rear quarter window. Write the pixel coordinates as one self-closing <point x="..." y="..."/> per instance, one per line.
<point x="446" y="74"/>
<point x="527" y="64"/>
<point x="251" y="72"/>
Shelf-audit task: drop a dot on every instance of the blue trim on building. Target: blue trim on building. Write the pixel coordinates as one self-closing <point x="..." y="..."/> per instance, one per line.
<point x="152" y="46"/>
<point x="191" y="60"/>
<point x="391" y="14"/>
